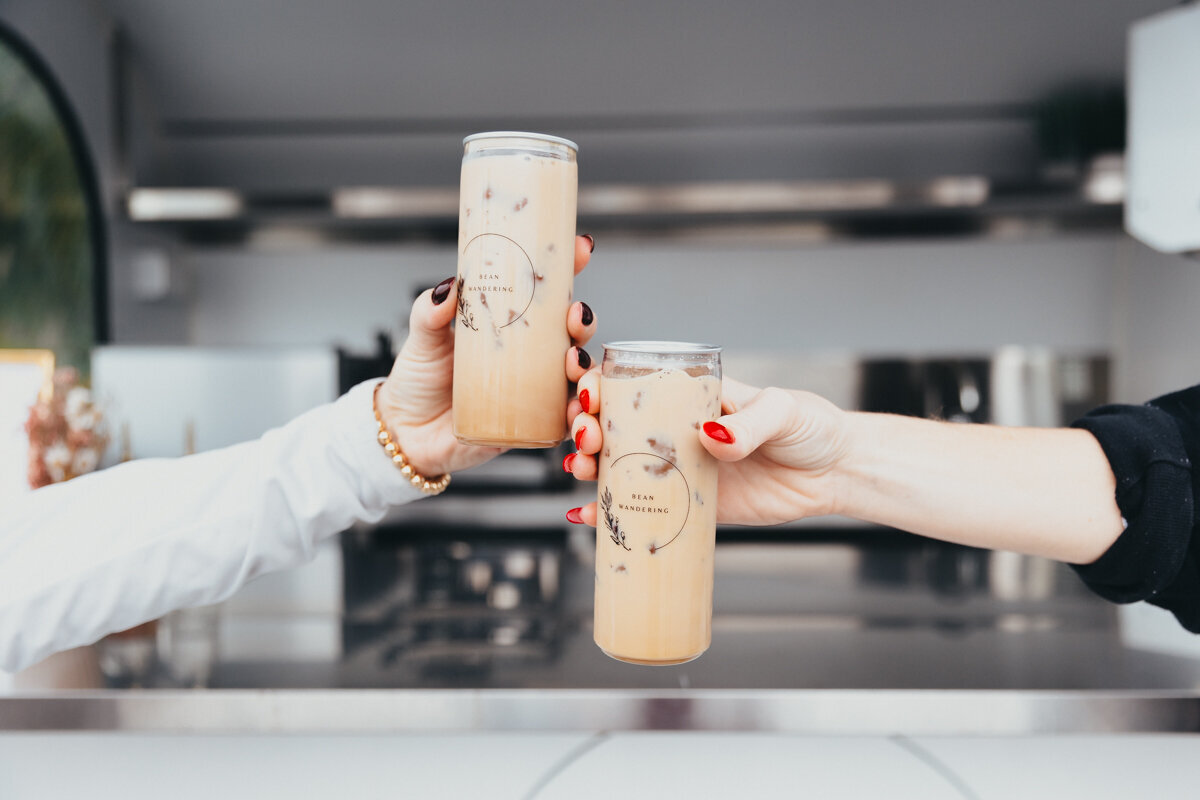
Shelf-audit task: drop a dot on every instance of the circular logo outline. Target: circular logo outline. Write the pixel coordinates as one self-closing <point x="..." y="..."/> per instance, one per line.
<point x="686" y="514"/>
<point x="528" y="260"/>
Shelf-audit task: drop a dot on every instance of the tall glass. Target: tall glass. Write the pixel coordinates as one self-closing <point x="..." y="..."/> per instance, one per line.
<point x="516" y="274"/>
<point x="657" y="501"/>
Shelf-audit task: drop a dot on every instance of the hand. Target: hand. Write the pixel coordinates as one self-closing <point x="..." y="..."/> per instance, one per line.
<point x="414" y="401"/>
<point x="778" y="449"/>
<point x="785" y="455"/>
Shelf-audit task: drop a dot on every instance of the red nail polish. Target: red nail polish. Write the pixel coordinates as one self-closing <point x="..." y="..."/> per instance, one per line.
<point x="585" y="398"/>
<point x="718" y="432"/>
<point x="574" y="516"/>
<point x="579" y="437"/>
<point x="567" y="462"/>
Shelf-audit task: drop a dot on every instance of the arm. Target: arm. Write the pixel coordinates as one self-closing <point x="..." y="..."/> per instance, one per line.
<point x="1046" y="492"/>
<point x="116" y="548"/>
<point x="108" y="551"/>
<point x="788" y="455"/>
<point x="1114" y="496"/>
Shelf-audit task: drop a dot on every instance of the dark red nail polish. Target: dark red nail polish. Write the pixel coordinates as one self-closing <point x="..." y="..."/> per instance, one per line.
<point x="574" y="516"/>
<point x="585" y="399"/>
<point x="585" y="361"/>
<point x="567" y="462"/>
<point x="586" y="316"/>
<point x="718" y="432"/>
<point x="442" y="291"/>
<point x="579" y="437"/>
<point x="591" y="242"/>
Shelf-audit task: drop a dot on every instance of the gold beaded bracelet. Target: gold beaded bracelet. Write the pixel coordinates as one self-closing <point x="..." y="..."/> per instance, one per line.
<point x="429" y="487"/>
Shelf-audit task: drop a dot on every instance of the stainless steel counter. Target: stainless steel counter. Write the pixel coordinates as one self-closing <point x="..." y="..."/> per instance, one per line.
<point x="857" y="712"/>
<point x="817" y="629"/>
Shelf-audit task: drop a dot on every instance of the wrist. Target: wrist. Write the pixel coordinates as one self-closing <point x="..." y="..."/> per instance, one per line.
<point x="865" y="475"/>
<point x="406" y="432"/>
<point x="413" y="469"/>
<point x="415" y="450"/>
<point x="848" y="471"/>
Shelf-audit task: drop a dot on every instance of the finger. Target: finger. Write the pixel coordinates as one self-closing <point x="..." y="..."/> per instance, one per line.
<point x="588" y="392"/>
<point x="769" y="415"/>
<point x="735" y="394"/>
<point x="578" y="363"/>
<point x="581" y="465"/>
<point x="585" y="515"/>
<point x="573" y="410"/>
<point x="585" y="432"/>
<point x="581" y="322"/>
<point x="584" y="245"/>
<point x="429" y="320"/>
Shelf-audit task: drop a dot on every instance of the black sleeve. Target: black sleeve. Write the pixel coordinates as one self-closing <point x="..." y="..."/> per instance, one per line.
<point x="1151" y="449"/>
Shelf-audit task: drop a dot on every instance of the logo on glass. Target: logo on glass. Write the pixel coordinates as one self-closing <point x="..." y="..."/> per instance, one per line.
<point x="496" y="282"/>
<point x="646" y="501"/>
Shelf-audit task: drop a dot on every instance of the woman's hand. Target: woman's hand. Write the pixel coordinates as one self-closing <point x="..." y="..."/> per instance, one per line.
<point x="778" y="449"/>
<point x="785" y="455"/>
<point x="414" y="401"/>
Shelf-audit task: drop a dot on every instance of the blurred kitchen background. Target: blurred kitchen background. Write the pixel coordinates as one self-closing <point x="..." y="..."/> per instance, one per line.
<point x="914" y="207"/>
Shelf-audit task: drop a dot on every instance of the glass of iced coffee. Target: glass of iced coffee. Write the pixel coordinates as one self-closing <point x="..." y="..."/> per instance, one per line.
<point x="516" y="271"/>
<point x="656" y="515"/>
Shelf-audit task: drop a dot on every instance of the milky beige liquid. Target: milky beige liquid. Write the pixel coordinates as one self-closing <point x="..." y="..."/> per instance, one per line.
<point x="658" y="492"/>
<point x="516" y="244"/>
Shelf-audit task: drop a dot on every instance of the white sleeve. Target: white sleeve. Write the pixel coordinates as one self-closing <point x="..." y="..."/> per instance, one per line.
<point x="122" y="546"/>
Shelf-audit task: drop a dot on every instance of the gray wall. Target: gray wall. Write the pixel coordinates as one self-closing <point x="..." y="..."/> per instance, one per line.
<point x="901" y="297"/>
<point x="1079" y="293"/>
<point x="1159" y="326"/>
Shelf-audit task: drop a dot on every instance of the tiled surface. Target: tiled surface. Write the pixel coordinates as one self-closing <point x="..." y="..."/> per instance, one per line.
<point x="1090" y="767"/>
<point x="581" y="766"/>
<point x="125" y="767"/>
<point x="697" y="765"/>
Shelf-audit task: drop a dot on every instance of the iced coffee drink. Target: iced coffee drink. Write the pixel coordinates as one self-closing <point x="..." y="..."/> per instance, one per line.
<point x="516" y="269"/>
<point x="657" y="501"/>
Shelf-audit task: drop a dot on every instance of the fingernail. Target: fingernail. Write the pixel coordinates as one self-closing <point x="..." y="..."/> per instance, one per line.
<point x="567" y="462"/>
<point x="579" y="436"/>
<point x="442" y="291"/>
<point x="574" y="516"/>
<point x="718" y="432"/>
<point x="591" y="242"/>
<point x="585" y="361"/>
<point x="585" y="398"/>
<point x="586" y="316"/>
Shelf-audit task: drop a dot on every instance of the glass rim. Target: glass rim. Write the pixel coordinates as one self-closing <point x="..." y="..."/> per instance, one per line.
<point x="545" y="137"/>
<point x="666" y="348"/>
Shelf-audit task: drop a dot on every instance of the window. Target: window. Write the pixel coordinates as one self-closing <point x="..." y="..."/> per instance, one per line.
<point x="52" y="252"/>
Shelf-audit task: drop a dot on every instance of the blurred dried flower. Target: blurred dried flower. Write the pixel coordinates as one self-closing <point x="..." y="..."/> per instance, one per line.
<point x="85" y="460"/>
<point x="67" y="436"/>
<point x="58" y="461"/>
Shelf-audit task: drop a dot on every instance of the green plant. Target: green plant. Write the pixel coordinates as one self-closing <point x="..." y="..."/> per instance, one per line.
<point x="46" y="256"/>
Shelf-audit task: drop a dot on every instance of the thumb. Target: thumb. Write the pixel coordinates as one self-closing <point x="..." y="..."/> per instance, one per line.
<point x="429" y="322"/>
<point x="735" y="394"/>
<point x="768" y="415"/>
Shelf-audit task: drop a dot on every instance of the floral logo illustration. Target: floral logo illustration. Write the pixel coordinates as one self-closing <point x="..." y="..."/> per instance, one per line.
<point x="610" y="521"/>
<point x="465" y="315"/>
